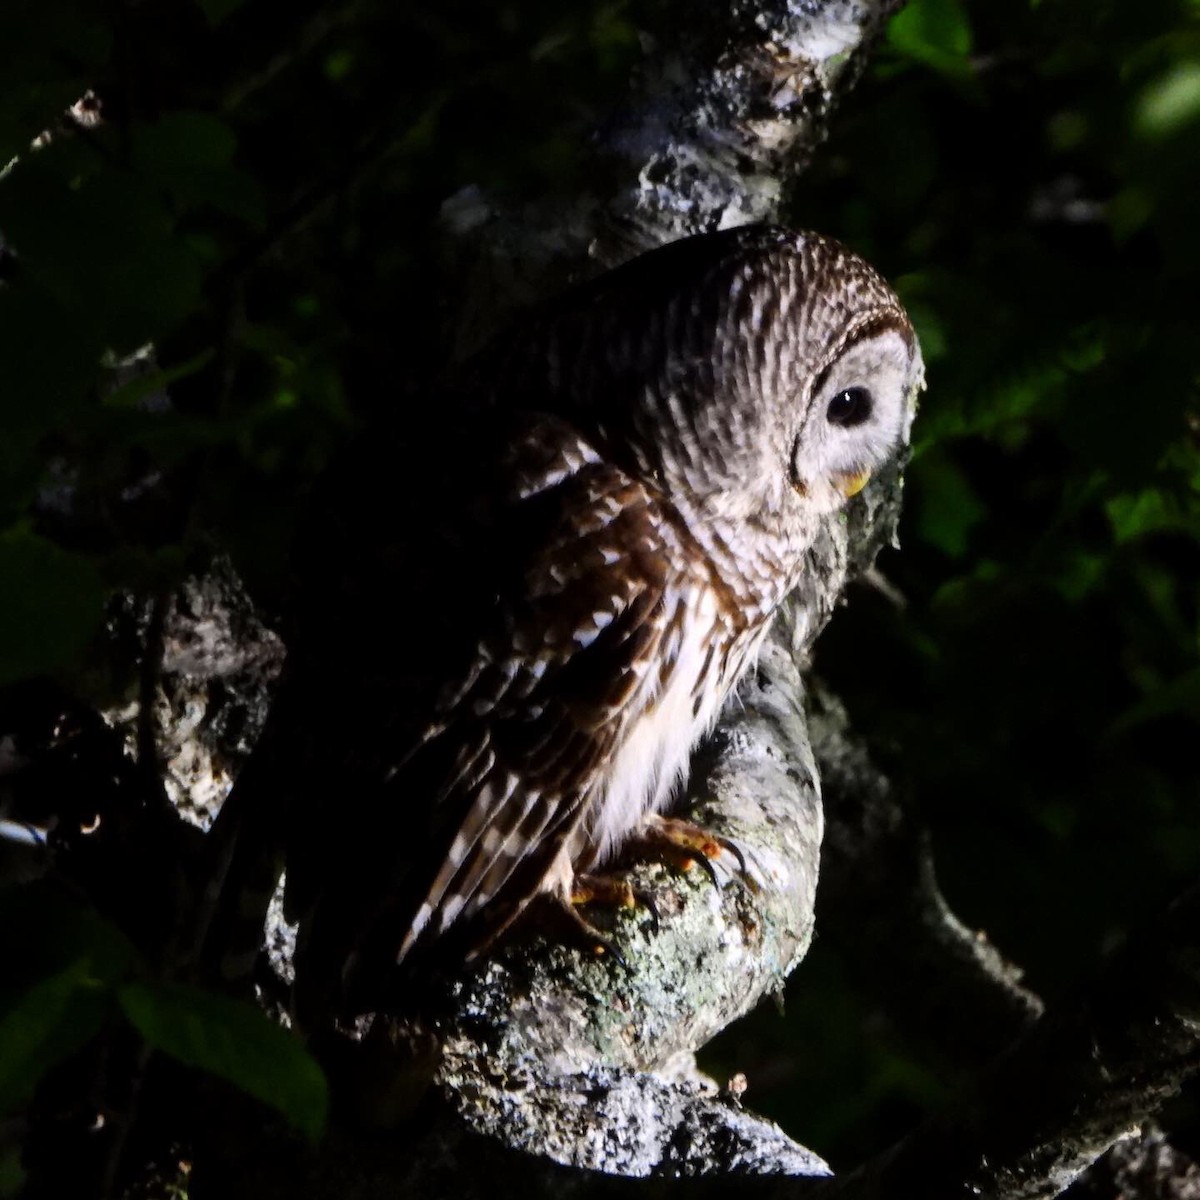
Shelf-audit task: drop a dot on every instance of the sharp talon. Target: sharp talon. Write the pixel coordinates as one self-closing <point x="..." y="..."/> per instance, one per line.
<point x="681" y="844"/>
<point x="647" y="901"/>
<point x="617" y="956"/>
<point x="588" y="890"/>
<point x="746" y="882"/>
<point x="705" y="864"/>
<point x="743" y="876"/>
<point x="736" y="851"/>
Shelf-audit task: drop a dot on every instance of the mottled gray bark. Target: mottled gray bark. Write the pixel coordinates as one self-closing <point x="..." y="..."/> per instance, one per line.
<point x="729" y="104"/>
<point x="1143" y="1166"/>
<point x="215" y="662"/>
<point x="587" y="1060"/>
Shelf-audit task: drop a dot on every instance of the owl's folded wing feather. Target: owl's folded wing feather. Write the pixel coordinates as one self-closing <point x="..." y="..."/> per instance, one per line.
<point x="554" y="596"/>
<point x="536" y="749"/>
<point x="554" y="685"/>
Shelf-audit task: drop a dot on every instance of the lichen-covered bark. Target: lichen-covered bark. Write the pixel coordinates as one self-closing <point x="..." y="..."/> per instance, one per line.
<point x="543" y="1030"/>
<point x="725" y="115"/>
<point x="730" y="103"/>
<point x="1143" y="1164"/>
<point x="215" y="663"/>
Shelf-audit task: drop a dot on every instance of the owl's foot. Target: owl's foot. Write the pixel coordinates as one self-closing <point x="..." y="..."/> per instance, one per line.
<point x="596" y="940"/>
<point x="683" y="845"/>
<point x="605" y="891"/>
<point x="557" y="915"/>
<point x="611" y="892"/>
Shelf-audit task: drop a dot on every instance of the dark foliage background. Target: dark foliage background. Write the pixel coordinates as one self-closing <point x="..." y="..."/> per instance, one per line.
<point x="260" y="203"/>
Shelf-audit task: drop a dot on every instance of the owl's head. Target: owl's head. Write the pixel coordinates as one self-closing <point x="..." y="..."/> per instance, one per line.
<point x="757" y="375"/>
<point x="857" y="407"/>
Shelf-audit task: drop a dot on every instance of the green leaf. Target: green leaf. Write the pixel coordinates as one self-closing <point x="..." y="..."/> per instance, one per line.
<point x="102" y="246"/>
<point x="51" y="603"/>
<point x="968" y="594"/>
<point x="1181" y="695"/>
<point x="44" y="932"/>
<point x="47" y="377"/>
<point x="934" y="32"/>
<point x="931" y="330"/>
<point x="1170" y="103"/>
<point x="182" y="141"/>
<point x="947" y="507"/>
<point x="44" y="1026"/>
<point x="233" y="1041"/>
<point x="1151" y="510"/>
<point x="339" y="64"/>
<point x="1077" y="574"/>
<point x="190" y="156"/>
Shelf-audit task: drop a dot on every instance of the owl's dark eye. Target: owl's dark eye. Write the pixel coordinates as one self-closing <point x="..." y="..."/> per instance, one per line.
<point x="848" y="408"/>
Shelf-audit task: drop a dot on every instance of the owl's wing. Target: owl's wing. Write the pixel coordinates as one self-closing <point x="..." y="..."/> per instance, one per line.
<point x="548" y="699"/>
<point x="521" y="598"/>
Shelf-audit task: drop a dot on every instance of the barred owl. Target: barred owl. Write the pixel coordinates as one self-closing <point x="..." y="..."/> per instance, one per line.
<point x="529" y="602"/>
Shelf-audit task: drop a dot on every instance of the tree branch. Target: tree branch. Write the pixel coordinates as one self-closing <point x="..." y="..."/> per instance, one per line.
<point x="727" y="108"/>
<point x="1083" y="1076"/>
<point x="881" y="905"/>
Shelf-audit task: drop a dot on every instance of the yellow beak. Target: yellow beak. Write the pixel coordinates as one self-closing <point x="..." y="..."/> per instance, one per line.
<point x="851" y="485"/>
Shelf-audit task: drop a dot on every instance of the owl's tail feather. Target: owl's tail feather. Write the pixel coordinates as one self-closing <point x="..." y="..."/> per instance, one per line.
<point x="494" y="841"/>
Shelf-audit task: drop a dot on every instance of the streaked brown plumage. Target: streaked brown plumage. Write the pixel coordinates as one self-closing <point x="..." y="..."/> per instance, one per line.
<point x="581" y="552"/>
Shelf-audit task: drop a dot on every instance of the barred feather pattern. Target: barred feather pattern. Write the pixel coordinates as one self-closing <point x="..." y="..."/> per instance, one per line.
<point x="588" y="541"/>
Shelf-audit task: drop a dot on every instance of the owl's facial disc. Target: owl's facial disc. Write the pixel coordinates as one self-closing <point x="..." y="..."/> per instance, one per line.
<point x="856" y="416"/>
